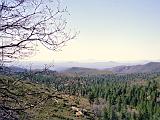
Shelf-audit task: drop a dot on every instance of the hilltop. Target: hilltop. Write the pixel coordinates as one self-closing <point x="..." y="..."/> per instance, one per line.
<point x="149" y="67"/>
<point x="85" y="71"/>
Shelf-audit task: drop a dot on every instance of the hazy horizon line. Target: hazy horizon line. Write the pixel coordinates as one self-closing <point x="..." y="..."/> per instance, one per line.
<point x="91" y="61"/>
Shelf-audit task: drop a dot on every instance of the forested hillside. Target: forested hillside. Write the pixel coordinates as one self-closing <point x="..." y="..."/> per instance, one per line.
<point x="24" y="100"/>
<point x="112" y="96"/>
<point x="149" y="67"/>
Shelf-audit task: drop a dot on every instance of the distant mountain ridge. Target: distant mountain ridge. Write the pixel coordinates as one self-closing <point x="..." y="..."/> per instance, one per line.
<point x="84" y="71"/>
<point x="11" y="69"/>
<point x="72" y="68"/>
<point x="61" y="66"/>
<point x="149" y="67"/>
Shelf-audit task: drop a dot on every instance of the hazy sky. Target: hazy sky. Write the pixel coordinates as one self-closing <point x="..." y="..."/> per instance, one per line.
<point x="111" y="30"/>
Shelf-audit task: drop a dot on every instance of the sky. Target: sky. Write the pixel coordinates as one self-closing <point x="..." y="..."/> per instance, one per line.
<point x="110" y="30"/>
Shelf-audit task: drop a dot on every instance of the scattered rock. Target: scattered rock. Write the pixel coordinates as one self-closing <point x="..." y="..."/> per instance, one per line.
<point x="79" y="114"/>
<point x="56" y="101"/>
<point x="75" y="109"/>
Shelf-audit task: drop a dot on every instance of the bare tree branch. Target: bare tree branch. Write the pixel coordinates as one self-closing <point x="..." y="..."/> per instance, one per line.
<point x="25" y="24"/>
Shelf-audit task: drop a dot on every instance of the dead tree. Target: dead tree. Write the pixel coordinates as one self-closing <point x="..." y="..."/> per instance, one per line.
<point x="26" y="24"/>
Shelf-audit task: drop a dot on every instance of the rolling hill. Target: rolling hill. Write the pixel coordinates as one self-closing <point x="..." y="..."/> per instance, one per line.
<point x="85" y="71"/>
<point x="149" y="67"/>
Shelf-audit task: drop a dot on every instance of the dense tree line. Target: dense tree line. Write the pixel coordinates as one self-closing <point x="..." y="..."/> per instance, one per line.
<point x="113" y="96"/>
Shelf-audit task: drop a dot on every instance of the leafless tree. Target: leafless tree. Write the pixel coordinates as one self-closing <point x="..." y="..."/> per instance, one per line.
<point x="26" y="24"/>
